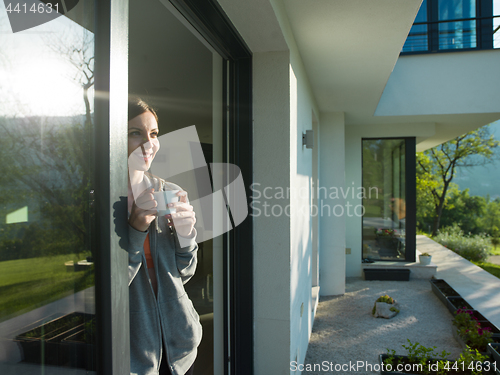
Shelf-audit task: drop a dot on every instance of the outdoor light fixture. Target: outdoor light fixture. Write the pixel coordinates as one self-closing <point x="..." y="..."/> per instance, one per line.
<point x="308" y="139"/>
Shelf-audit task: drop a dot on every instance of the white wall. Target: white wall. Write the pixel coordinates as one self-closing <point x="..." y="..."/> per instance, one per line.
<point x="443" y="83"/>
<point x="284" y="107"/>
<point x="353" y="174"/>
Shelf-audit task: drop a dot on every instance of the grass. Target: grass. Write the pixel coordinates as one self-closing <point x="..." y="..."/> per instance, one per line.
<point x="26" y="284"/>
<point x="495" y="251"/>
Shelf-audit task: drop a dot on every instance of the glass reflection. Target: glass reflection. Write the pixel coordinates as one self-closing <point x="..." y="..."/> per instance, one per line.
<point x="384" y="222"/>
<point x="459" y="34"/>
<point x="46" y="263"/>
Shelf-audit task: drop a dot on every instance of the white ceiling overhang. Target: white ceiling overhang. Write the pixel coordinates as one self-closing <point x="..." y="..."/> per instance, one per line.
<point x="349" y="49"/>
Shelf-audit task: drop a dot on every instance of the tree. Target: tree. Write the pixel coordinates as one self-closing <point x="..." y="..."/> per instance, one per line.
<point x="436" y="167"/>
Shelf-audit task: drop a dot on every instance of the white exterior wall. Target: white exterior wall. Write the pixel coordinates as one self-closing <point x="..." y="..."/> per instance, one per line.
<point x="283" y="303"/>
<point x="284" y="307"/>
<point x="443" y="83"/>
<point x="353" y="167"/>
<point x="331" y="204"/>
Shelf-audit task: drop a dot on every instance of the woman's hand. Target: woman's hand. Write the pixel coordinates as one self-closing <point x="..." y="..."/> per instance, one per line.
<point x="184" y="219"/>
<point x="143" y="211"/>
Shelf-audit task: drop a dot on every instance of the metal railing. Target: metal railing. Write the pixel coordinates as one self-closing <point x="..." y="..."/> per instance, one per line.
<point x="451" y="35"/>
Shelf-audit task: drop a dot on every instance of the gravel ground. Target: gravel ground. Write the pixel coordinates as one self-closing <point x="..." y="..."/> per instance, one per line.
<point x="345" y="332"/>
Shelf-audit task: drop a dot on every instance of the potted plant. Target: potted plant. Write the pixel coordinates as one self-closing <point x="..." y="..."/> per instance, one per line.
<point x="425" y="259"/>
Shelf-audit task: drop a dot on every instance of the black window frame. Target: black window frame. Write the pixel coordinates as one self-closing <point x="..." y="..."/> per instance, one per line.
<point x="410" y="193"/>
<point x="484" y="28"/>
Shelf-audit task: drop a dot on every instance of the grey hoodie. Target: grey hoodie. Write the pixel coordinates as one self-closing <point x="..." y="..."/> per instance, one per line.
<point x="171" y="314"/>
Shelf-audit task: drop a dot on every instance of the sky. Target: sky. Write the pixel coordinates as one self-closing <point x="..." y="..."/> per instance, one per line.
<point x="41" y="86"/>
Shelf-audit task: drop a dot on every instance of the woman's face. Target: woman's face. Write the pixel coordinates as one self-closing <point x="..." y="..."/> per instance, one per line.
<point x="142" y="141"/>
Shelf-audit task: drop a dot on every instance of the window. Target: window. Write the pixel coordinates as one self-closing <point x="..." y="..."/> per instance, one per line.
<point x="446" y="25"/>
<point x="388" y="183"/>
<point x="47" y="252"/>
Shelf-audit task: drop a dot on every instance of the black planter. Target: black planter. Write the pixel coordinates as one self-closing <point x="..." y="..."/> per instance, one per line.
<point x="442" y="290"/>
<point x="391" y="274"/>
<point x="455" y="303"/>
<point x="494" y="352"/>
<point x="49" y="344"/>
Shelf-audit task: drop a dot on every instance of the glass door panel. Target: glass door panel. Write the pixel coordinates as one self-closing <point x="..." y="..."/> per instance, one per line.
<point x="458" y="34"/>
<point x="47" y="308"/>
<point x="384" y="180"/>
<point x="173" y="69"/>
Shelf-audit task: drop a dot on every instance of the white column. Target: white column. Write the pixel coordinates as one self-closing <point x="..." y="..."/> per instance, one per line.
<point x="272" y="243"/>
<point x="332" y="207"/>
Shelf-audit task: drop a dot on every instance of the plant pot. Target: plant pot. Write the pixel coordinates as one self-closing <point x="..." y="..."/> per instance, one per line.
<point x="425" y="260"/>
<point x="47" y="343"/>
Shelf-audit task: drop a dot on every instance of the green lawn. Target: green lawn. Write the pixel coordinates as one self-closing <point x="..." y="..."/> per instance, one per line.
<point x="26" y="284"/>
<point x="495" y="251"/>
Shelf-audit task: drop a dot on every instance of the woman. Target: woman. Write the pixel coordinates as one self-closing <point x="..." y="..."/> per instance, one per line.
<point x="164" y="327"/>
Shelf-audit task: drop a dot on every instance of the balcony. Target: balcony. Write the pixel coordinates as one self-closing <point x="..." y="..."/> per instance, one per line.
<point x="477" y="33"/>
<point x="454" y="25"/>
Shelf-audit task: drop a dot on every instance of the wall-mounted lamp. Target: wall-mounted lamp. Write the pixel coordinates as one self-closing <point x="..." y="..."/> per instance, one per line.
<point x="308" y="139"/>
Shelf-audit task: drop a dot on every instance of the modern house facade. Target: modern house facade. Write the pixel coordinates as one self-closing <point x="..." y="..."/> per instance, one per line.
<point x="254" y="78"/>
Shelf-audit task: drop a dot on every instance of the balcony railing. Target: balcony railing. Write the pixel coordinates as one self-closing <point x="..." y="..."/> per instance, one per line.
<point x="452" y="35"/>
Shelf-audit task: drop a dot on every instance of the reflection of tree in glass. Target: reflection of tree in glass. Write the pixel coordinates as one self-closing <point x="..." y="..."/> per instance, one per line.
<point x="42" y="167"/>
<point x="46" y="164"/>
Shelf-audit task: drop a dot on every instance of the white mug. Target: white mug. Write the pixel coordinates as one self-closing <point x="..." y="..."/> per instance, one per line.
<point x="163" y="198"/>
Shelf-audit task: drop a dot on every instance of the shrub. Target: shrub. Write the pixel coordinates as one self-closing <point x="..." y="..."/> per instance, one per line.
<point x="471" y="247"/>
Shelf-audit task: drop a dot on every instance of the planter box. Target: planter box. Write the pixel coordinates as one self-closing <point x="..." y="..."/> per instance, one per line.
<point x="443" y="290"/>
<point x="392" y="274"/>
<point x="48" y="343"/>
<point x="461" y="341"/>
<point x="455" y="303"/>
<point x="383" y="369"/>
<point x="494" y="352"/>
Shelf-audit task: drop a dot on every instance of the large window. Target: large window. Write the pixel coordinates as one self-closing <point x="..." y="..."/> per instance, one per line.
<point x="47" y="252"/>
<point x="389" y="183"/>
<point x="447" y="25"/>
